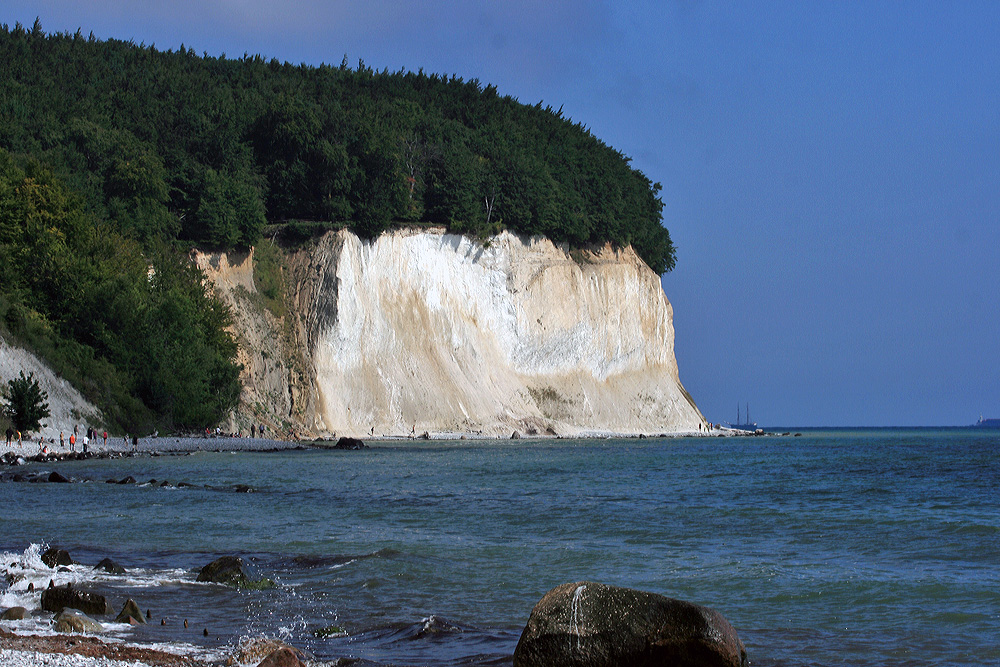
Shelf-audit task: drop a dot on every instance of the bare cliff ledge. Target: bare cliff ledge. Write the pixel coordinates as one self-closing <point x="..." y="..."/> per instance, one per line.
<point x="421" y="330"/>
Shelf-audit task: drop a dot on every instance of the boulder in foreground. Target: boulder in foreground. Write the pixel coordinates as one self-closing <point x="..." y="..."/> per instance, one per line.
<point x="592" y="624"/>
<point x="282" y="657"/>
<point x="56" y="599"/>
<point x="15" y="614"/>
<point x="73" y="621"/>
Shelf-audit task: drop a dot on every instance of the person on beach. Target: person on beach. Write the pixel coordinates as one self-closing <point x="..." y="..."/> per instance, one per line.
<point x="135" y="443"/>
<point x="10" y="435"/>
<point x="253" y="430"/>
<point x="72" y="442"/>
<point x="86" y="441"/>
<point x="105" y="439"/>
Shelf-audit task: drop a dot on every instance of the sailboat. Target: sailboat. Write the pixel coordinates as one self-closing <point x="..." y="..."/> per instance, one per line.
<point x="747" y="425"/>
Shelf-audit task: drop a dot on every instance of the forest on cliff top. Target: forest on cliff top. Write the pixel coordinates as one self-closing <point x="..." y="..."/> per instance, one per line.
<point x="209" y="150"/>
<point x="117" y="158"/>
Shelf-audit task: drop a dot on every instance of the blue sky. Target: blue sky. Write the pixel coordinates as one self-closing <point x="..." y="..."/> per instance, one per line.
<point x="831" y="170"/>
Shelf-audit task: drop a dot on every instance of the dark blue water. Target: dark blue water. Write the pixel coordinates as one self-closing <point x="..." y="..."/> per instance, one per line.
<point x="856" y="547"/>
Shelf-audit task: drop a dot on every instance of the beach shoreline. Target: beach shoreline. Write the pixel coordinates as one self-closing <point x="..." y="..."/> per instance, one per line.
<point x="37" y="448"/>
<point x="80" y="650"/>
<point x="23" y="647"/>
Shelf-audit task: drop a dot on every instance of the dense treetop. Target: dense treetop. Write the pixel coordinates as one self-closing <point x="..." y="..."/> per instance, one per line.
<point x="132" y="329"/>
<point x="169" y="145"/>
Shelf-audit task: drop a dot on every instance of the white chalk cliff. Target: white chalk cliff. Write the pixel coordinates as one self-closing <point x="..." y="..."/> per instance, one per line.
<point x="421" y="330"/>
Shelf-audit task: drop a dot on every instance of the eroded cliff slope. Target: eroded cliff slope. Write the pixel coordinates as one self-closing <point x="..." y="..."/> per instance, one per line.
<point x="421" y="330"/>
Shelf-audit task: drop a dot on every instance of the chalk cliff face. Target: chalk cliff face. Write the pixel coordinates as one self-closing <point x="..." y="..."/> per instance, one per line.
<point x="427" y="331"/>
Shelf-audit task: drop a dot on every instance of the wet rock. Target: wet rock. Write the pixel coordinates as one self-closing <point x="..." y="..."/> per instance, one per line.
<point x="15" y="614"/>
<point x="54" y="557"/>
<point x="350" y="443"/>
<point x="229" y="570"/>
<point x="255" y="650"/>
<point x="243" y="488"/>
<point x="592" y="624"/>
<point x="56" y="478"/>
<point x="283" y="657"/>
<point x="225" y="570"/>
<point x="110" y="566"/>
<point x="515" y="436"/>
<point x="329" y="631"/>
<point x="73" y="621"/>
<point x="127" y="480"/>
<point x="130" y="613"/>
<point x="56" y="599"/>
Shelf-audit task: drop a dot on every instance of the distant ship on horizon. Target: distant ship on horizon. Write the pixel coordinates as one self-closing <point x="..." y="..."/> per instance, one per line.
<point x="987" y="423"/>
<point x="748" y="425"/>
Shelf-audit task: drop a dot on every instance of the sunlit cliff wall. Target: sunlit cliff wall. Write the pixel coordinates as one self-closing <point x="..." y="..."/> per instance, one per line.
<point x="426" y="331"/>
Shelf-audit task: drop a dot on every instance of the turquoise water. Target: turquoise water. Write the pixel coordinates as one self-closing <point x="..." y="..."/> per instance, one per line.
<point x="849" y="547"/>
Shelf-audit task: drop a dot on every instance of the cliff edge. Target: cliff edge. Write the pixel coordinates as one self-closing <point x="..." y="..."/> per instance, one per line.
<point x="421" y="330"/>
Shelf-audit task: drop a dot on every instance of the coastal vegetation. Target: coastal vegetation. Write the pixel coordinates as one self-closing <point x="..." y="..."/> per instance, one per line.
<point x="25" y="404"/>
<point x="131" y="326"/>
<point x="171" y="145"/>
<point x="116" y="159"/>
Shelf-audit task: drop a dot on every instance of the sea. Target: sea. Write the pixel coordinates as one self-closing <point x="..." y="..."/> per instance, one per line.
<point x="821" y="547"/>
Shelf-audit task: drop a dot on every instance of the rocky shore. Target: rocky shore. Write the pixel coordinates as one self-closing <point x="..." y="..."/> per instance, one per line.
<point x="44" y="451"/>
<point x="78" y="633"/>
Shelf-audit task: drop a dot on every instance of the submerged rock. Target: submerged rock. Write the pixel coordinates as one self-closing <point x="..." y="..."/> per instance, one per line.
<point x="73" y="621"/>
<point x="56" y="599"/>
<point x="329" y="631"/>
<point x="57" y="478"/>
<point x="109" y="565"/>
<point x="595" y="625"/>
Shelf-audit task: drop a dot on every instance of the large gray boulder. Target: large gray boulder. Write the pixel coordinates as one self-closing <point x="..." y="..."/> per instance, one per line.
<point x="15" y="614"/>
<point x="591" y="624"/>
<point x="57" y="598"/>
<point x="73" y="621"/>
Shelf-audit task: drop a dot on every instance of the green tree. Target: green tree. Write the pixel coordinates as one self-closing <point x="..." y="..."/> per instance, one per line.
<point x="26" y="404"/>
<point x="231" y="212"/>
